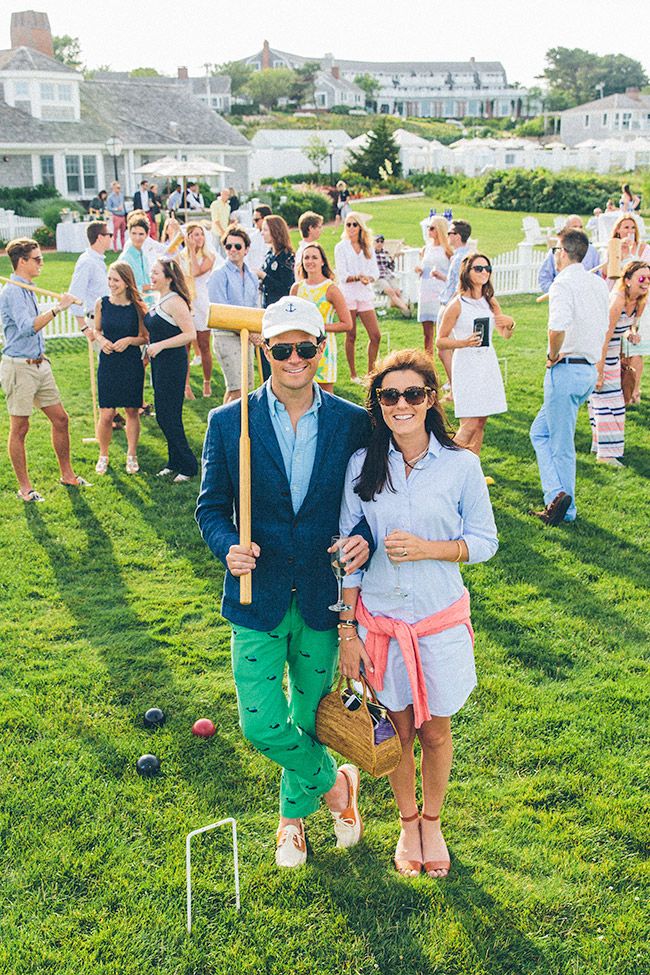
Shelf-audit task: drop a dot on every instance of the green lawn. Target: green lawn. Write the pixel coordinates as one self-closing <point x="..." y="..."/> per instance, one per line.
<point x="111" y="604"/>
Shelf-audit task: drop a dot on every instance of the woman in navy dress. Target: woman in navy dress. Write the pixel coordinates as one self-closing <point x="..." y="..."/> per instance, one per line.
<point x="120" y="331"/>
<point x="171" y="331"/>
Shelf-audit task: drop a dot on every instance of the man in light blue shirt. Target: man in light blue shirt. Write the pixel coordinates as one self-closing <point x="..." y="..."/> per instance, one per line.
<point x="116" y="206"/>
<point x="25" y="373"/>
<point x="548" y="271"/>
<point x="233" y="284"/>
<point x="90" y="277"/>
<point x="175" y="199"/>
<point x="459" y="233"/>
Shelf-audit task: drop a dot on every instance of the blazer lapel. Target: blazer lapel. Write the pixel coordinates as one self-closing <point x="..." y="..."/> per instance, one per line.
<point x="261" y="429"/>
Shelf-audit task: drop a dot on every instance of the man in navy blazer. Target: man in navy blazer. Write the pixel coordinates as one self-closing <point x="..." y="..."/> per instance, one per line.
<point x="301" y="441"/>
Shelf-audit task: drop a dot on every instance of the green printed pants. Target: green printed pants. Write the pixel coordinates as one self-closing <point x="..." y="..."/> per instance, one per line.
<point x="284" y="730"/>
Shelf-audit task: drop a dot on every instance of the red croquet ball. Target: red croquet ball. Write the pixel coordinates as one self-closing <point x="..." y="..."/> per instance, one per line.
<point x="204" y="728"/>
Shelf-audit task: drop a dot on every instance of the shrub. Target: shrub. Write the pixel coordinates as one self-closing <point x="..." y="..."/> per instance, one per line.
<point x="44" y="237"/>
<point x="296" y="203"/>
<point x="51" y="214"/>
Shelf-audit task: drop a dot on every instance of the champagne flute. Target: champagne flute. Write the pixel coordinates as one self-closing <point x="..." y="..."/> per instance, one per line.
<point x="338" y="562"/>
<point x="397" y="591"/>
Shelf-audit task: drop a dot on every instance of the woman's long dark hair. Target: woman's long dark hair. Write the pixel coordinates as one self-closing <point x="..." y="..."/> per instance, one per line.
<point x="177" y="283"/>
<point x="375" y="475"/>
<point x="465" y="281"/>
<point x="326" y="270"/>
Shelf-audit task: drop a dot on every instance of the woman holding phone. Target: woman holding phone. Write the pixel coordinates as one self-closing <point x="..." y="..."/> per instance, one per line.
<point x="467" y="328"/>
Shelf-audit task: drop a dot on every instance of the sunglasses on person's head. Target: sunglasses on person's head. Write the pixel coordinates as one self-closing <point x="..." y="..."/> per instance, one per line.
<point x="352" y="224"/>
<point x="282" y="351"/>
<point x="482" y="267"/>
<point x="237" y="247"/>
<point x="414" y="395"/>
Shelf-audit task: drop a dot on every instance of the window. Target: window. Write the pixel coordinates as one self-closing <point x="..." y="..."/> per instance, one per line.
<point x="21" y="89"/>
<point x="586" y="121"/>
<point x="627" y="116"/>
<point x="47" y="170"/>
<point x="73" y="174"/>
<point x="81" y="174"/>
<point x="90" y="174"/>
<point x="65" y="93"/>
<point x="48" y="91"/>
<point x="510" y="159"/>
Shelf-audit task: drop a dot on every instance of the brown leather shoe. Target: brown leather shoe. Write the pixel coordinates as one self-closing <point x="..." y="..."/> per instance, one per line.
<point x="555" y="510"/>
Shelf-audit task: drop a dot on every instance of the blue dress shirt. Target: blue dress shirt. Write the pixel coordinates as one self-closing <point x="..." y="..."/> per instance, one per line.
<point x="228" y="286"/>
<point x="115" y="204"/>
<point x="18" y="309"/>
<point x="298" y="447"/>
<point x="548" y="271"/>
<point x="453" y="274"/>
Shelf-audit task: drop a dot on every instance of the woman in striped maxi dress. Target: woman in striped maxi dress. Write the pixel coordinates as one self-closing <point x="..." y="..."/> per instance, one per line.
<point x="606" y="403"/>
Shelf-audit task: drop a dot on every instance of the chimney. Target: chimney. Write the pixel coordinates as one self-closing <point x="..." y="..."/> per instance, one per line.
<point x="633" y="93"/>
<point x="327" y="61"/>
<point x="30" y="28"/>
<point x="183" y="74"/>
<point x="266" y="56"/>
<point x="472" y="60"/>
<point x="336" y="72"/>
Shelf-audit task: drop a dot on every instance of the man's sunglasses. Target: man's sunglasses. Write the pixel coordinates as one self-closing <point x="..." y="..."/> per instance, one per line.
<point x="482" y="267"/>
<point x="237" y="247"/>
<point x="282" y="351"/>
<point x="414" y="395"/>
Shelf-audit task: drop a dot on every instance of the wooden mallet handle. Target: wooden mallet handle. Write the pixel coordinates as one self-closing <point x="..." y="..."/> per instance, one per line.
<point x="245" y="581"/>
<point x="38" y="291"/>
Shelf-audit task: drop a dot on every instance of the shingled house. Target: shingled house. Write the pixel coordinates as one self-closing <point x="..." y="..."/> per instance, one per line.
<point x="56" y="127"/>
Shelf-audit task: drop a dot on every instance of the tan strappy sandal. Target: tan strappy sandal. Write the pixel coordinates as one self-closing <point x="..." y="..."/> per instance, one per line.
<point x="407" y="868"/>
<point x="431" y="866"/>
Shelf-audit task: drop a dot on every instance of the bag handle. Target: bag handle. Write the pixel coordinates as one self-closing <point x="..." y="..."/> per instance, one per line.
<point x="368" y="691"/>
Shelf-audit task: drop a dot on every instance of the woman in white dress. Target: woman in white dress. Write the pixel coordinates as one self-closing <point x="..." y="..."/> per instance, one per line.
<point x="433" y="267"/>
<point x="467" y="328"/>
<point x="198" y="261"/>
<point x="356" y="270"/>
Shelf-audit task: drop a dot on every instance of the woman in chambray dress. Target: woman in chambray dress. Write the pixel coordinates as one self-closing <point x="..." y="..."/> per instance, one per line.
<point x="428" y="508"/>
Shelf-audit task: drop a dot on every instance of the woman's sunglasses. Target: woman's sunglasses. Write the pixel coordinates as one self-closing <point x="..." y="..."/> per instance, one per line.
<point x="238" y="247"/>
<point x="282" y="351"/>
<point x="352" y="224"/>
<point x="414" y="395"/>
<point x="482" y="267"/>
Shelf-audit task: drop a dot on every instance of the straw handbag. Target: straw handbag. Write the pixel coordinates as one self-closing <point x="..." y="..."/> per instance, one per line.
<point x="352" y="733"/>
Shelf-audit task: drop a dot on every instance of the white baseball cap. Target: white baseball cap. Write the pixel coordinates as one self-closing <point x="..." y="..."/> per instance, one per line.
<point x="291" y="314"/>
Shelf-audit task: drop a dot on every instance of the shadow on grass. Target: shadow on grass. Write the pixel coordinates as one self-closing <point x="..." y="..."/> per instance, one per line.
<point x="91" y="586"/>
<point x="395" y="916"/>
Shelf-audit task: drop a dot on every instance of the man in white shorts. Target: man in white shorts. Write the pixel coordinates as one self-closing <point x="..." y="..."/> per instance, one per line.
<point x="25" y="372"/>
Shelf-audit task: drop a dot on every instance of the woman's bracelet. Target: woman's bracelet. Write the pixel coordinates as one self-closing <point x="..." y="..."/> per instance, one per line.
<point x="346" y="639"/>
<point x="348" y="623"/>
<point x="460" y="550"/>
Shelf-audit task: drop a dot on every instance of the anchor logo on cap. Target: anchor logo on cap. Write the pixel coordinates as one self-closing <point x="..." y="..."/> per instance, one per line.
<point x="291" y="307"/>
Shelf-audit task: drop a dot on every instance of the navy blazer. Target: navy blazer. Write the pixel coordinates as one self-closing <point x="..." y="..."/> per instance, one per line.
<point x="293" y="547"/>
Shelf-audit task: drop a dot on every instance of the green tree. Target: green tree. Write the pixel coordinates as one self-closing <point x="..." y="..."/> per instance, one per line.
<point x="316" y="152"/>
<point x="303" y="88"/>
<point x="574" y="76"/>
<point x="267" y="87"/>
<point x="67" y="50"/>
<point x="380" y="153"/>
<point x="144" y="73"/>
<point x="370" y="86"/>
<point x="239" y="74"/>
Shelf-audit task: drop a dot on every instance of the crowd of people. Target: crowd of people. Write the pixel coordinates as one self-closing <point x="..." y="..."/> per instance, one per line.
<point x="405" y="500"/>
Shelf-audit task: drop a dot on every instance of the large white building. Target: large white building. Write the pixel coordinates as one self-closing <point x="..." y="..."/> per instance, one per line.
<point x="620" y="116"/>
<point x="437" y="89"/>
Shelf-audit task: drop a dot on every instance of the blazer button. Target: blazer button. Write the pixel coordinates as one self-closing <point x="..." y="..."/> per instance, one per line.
<point x="291" y="560"/>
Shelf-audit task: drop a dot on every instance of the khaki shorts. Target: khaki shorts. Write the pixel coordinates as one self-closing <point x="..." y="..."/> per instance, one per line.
<point x="227" y="348"/>
<point x="27" y="386"/>
<point x="390" y="282"/>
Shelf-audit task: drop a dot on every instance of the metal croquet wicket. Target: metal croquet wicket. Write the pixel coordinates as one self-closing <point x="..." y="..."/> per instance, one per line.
<point x="188" y="863"/>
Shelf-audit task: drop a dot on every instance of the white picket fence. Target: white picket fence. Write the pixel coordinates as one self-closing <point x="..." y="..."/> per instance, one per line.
<point x="64" y="326"/>
<point x="12" y="226"/>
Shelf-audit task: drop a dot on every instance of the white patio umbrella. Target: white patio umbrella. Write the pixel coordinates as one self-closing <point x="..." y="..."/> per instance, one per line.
<point x="183" y="169"/>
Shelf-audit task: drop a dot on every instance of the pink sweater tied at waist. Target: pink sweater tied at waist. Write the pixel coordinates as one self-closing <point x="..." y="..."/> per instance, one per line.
<point x="382" y="628"/>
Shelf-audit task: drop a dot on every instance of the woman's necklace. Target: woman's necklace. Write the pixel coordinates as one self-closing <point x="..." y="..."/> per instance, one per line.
<point x="414" y="460"/>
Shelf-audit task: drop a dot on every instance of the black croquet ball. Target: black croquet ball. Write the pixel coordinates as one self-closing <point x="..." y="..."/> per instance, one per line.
<point x="148" y="766"/>
<point x="154" y="718"/>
